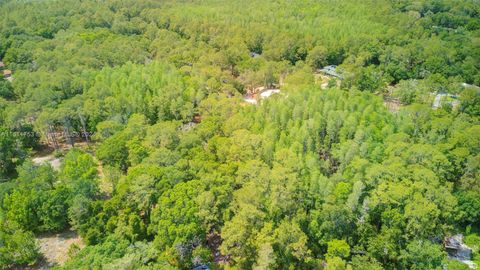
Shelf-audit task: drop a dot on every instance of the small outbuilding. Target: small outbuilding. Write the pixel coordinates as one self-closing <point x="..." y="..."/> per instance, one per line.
<point x="331" y="70"/>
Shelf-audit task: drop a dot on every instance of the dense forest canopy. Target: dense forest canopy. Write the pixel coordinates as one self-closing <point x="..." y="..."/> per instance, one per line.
<point x="165" y="166"/>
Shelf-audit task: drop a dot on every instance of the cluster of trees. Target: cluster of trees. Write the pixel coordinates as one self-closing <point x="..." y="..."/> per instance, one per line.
<point x="309" y="179"/>
<point x="43" y="200"/>
<point x="316" y="177"/>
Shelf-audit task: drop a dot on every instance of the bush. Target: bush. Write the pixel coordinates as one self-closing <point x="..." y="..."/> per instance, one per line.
<point x="17" y="247"/>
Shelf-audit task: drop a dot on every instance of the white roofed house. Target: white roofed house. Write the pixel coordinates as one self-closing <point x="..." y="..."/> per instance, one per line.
<point x="264" y="94"/>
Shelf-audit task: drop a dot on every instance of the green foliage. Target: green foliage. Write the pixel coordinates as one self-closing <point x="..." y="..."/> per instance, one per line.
<point x="21" y="208"/>
<point x="106" y="129"/>
<point x="114" y="151"/>
<point x="11" y="152"/>
<point x="469" y="204"/>
<point x="6" y="90"/>
<point x="96" y="256"/>
<point x="79" y="174"/>
<point x="52" y="212"/>
<point x="370" y="79"/>
<point x="470" y="100"/>
<point x="365" y="263"/>
<point x="317" y="57"/>
<point x="41" y="201"/>
<point x="456" y="265"/>
<point x="338" y="248"/>
<point x="175" y="222"/>
<point x="17" y="247"/>
<point x="422" y="255"/>
<point x="336" y="263"/>
<point x="308" y="179"/>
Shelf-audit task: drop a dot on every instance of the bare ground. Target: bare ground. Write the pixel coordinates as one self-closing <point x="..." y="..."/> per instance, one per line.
<point x="55" y="247"/>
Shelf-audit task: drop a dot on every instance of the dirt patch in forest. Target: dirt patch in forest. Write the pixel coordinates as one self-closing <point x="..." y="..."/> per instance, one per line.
<point x="392" y="105"/>
<point x="55" y="247"/>
<point x="50" y="159"/>
<point x="324" y="80"/>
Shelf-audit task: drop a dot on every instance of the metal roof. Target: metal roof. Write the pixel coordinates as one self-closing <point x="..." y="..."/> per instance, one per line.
<point x="331" y="70"/>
